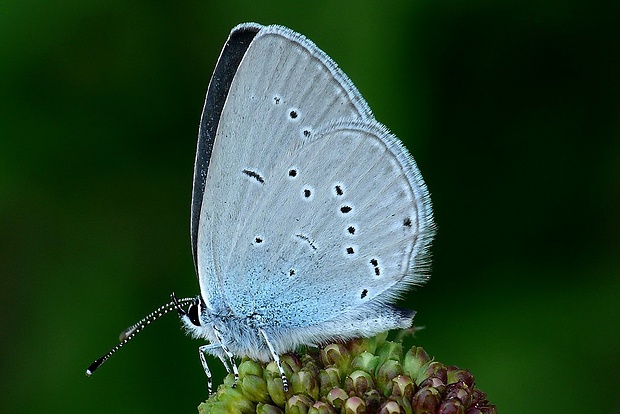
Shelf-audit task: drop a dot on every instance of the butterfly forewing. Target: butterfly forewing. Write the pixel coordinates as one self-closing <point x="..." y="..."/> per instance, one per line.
<point x="264" y="116"/>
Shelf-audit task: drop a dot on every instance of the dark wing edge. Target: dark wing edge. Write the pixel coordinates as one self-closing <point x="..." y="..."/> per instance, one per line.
<point x="235" y="48"/>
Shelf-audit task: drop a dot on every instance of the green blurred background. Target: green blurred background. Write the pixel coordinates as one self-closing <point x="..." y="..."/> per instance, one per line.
<point x="510" y="108"/>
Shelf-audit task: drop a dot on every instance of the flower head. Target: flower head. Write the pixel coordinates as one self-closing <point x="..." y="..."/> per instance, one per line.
<point x="369" y="375"/>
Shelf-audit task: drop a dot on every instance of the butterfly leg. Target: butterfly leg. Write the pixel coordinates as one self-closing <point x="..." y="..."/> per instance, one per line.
<point x="276" y="359"/>
<point x="225" y="362"/>
<point x="202" y="351"/>
<point x="231" y="357"/>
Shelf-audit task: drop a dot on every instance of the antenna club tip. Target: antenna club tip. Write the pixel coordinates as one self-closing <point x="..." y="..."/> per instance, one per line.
<point x="89" y="373"/>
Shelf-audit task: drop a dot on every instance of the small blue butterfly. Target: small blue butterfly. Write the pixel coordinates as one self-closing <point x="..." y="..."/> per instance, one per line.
<point x="309" y="218"/>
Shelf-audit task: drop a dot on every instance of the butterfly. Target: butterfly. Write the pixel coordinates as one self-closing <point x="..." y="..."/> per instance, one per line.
<point x="309" y="218"/>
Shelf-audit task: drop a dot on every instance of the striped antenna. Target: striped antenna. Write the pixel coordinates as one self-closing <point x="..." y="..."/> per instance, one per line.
<point x="136" y="328"/>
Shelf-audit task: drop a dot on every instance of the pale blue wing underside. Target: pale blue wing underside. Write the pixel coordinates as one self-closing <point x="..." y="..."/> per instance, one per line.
<point x="311" y="209"/>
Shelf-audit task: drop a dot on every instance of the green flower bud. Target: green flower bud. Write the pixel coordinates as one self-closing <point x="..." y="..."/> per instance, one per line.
<point x="391" y="407"/>
<point x="359" y="345"/>
<point x="310" y="362"/>
<point x="415" y="361"/>
<point x="376" y="341"/>
<point x="262" y="408"/>
<point x="354" y="405"/>
<point x="365" y="362"/>
<point x="229" y="381"/>
<point x="337" y="397"/>
<point x="358" y="383"/>
<point x="385" y="373"/>
<point x="214" y="407"/>
<point x="320" y="407"/>
<point x="227" y="400"/>
<point x="298" y="404"/>
<point x="328" y="379"/>
<point x="403" y="403"/>
<point x="290" y="363"/>
<point x="271" y="371"/>
<point x="336" y="355"/>
<point x="390" y="350"/>
<point x="254" y="388"/>
<point x="305" y="382"/>
<point x="249" y="367"/>
<point x="275" y="388"/>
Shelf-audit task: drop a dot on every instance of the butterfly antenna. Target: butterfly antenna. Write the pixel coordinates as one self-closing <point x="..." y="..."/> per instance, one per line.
<point x="136" y="328"/>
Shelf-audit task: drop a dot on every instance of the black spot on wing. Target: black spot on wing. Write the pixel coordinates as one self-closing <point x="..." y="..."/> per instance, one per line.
<point x="307" y="239"/>
<point x="254" y="175"/>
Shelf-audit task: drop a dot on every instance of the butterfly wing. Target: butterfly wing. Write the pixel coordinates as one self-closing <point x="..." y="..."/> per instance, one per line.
<point x="310" y="209"/>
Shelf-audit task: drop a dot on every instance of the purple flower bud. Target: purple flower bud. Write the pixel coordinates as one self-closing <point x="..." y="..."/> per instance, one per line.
<point x="478" y="397"/>
<point x="403" y="386"/>
<point x="426" y="400"/>
<point x="436" y="369"/>
<point x="433" y="382"/>
<point x="373" y="400"/>
<point x="491" y="409"/>
<point x="455" y="374"/>
<point x="459" y="390"/>
<point x="451" y="406"/>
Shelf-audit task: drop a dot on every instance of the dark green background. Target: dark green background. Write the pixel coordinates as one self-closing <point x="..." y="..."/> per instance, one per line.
<point x="510" y="108"/>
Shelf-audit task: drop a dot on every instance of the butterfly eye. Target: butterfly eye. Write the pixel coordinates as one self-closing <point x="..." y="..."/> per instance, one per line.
<point x="192" y="312"/>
